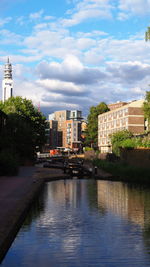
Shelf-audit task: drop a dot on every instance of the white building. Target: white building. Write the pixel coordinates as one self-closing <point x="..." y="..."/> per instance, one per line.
<point x="7" y="83"/>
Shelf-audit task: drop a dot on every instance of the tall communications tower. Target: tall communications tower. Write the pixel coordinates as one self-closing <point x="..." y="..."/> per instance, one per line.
<point x="7" y="84"/>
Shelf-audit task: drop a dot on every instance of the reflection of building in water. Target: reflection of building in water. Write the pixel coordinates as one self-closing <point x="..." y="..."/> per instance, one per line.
<point x="67" y="191"/>
<point x="122" y="200"/>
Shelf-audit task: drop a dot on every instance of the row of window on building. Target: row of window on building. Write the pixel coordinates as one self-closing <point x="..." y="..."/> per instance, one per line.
<point x="122" y="116"/>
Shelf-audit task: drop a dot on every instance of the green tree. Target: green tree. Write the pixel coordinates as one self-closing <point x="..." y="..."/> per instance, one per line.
<point x="117" y="138"/>
<point x="25" y="127"/>
<point x="92" y="123"/>
<point x="146" y="107"/>
<point x="147" y="34"/>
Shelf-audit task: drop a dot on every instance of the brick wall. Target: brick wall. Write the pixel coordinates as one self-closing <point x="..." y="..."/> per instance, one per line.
<point x="136" y="120"/>
<point x="135" y="111"/>
<point x="136" y="129"/>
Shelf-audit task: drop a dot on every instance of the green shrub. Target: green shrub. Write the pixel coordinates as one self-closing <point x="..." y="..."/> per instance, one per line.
<point x="88" y="148"/>
<point x="124" y="172"/>
<point x="131" y="143"/>
<point x="117" y="138"/>
<point x="8" y="163"/>
<point x="146" y="142"/>
<point x="97" y="152"/>
<point x="135" y="142"/>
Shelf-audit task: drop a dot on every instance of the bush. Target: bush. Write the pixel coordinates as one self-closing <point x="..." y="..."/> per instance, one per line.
<point x="146" y="142"/>
<point x="130" y="143"/>
<point x="8" y="163"/>
<point x="135" y="142"/>
<point x="124" y="172"/>
<point x="117" y="139"/>
<point x="88" y="148"/>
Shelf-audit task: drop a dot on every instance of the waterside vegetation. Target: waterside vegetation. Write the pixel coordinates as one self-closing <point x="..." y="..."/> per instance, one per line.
<point x="124" y="172"/>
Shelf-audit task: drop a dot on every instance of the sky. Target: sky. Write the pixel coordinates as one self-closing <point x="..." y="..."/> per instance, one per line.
<point x="73" y="54"/>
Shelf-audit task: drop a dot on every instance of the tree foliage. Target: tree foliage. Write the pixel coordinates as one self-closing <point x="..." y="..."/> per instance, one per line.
<point x="146" y="107"/>
<point x="25" y="127"/>
<point x="117" y="139"/>
<point x="147" y="34"/>
<point x="92" y="123"/>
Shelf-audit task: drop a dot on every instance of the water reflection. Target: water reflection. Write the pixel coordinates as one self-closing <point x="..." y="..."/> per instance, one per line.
<point x="128" y="201"/>
<point x="37" y="209"/>
<point x="85" y="223"/>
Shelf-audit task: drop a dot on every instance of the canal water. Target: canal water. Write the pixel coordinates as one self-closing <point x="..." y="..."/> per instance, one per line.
<point x="88" y="223"/>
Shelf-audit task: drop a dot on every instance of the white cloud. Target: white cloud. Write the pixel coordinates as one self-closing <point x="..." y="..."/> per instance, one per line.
<point x="49" y="18"/>
<point x="57" y="43"/>
<point x="8" y="37"/>
<point x="37" y="15"/>
<point x="128" y="72"/>
<point x="135" y="7"/>
<point x="21" y="20"/>
<point x="29" y="90"/>
<point x="62" y="88"/>
<point x="92" y="34"/>
<point x="5" y="21"/>
<point x="123" y="16"/>
<point x="70" y="70"/>
<point x="87" y="9"/>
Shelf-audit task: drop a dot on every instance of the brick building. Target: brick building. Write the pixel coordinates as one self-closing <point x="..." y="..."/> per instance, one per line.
<point x="129" y="116"/>
<point x="68" y="129"/>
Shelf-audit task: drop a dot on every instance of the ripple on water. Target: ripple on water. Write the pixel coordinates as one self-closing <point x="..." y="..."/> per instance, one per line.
<point x="85" y="223"/>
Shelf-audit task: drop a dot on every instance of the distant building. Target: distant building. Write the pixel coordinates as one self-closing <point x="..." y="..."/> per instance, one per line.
<point x="129" y="116"/>
<point x="7" y="83"/>
<point x="68" y="133"/>
<point x="73" y="137"/>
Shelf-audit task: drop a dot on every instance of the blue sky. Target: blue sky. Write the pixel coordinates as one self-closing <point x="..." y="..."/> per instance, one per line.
<point x="73" y="54"/>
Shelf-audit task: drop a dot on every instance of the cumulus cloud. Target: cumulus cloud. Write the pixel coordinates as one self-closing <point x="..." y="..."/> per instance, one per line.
<point x="87" y="9"/>
<point x="36" y="15"/>
<point x="63" y="88"/>
<point x="91" y="47"/>
<point x="134" y="7"/>
<point x="8" y="37"/>
<point x="129" y="72"/>
<point x="55" y="94"/>
<point x="5" y="21"/>
<point x="70" y="70"/>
